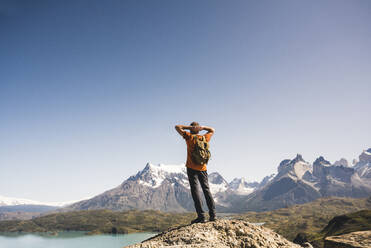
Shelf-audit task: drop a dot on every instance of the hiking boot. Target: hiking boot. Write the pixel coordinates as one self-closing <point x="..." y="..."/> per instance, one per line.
<point x="212" y="218"/>
<point x="198" y="220"/>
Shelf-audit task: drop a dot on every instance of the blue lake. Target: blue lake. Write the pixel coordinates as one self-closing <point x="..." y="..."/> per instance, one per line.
<point x="70" y="239"/>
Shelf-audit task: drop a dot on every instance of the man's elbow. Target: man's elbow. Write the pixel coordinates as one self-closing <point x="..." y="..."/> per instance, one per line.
<point x="178" y="128"/>
<point x="212" y="130"/>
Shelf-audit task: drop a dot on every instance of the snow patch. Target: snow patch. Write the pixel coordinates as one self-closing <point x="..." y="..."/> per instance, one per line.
<point x="216" y="188"/>
<point x="10" y="201"/>
<point x="300" y="168"/>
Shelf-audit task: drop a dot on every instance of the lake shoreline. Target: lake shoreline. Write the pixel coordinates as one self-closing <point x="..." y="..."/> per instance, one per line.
<point x="71" y="239"/>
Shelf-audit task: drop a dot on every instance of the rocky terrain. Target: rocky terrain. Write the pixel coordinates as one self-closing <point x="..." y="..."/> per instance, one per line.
<point x="219" y="234"/>
<point x="350" y="240"/>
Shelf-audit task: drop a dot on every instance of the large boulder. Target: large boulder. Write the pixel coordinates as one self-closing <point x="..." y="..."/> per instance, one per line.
<point x="218" y="234"/>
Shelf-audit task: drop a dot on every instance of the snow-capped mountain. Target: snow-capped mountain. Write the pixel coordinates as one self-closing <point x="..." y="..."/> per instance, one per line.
<point x="154" y="175"/>
<point x="242" y="187"/>
<point x="298" y="181"/>
<point x="10" y="201"/>
<point x="217" y="183"/>
<point x="162" y="187"/>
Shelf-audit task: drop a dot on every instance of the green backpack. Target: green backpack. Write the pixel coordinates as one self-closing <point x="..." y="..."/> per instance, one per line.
<point x="200" y="153"/>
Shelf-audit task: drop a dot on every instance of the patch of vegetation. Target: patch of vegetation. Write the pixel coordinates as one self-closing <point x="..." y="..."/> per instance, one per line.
<point x="100" y="221"/>
<point x="308" y="219"/>
<point x="347" y="223"/>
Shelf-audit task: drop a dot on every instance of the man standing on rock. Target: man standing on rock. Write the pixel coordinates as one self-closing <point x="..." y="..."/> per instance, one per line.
<point x="197" y="158"/>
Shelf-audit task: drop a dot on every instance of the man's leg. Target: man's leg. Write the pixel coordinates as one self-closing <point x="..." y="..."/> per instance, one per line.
<point x="193" y="182"/>
<point x="202" y="177"/>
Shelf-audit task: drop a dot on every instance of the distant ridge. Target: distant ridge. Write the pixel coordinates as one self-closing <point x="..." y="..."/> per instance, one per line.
<point x="11" y="201"/>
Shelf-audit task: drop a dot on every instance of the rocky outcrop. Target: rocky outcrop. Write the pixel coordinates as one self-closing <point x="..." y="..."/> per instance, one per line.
<point x="350" y="240"/>
<point x="218" y="234"/>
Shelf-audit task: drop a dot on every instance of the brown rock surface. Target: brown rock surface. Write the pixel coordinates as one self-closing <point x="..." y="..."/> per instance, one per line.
<point x="218" y="234"/>
<point x="350" y="240"/>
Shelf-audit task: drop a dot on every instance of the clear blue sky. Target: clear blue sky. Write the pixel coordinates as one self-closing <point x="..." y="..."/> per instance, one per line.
<point x="90" y="90"/>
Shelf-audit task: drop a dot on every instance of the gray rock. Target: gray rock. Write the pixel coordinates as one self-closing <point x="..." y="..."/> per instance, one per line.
<point x="342" y="162"/>
<point x="219" y="234"/>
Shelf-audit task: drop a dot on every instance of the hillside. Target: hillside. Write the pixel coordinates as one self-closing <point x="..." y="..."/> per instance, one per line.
<point x="99" y="221"/>
<point x="307" y="218"/>
<point x="343" y="231"/>
<point x="347" y="223"/>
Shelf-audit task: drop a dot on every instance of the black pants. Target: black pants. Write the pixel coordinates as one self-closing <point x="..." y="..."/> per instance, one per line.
<point x="195" y="177"/>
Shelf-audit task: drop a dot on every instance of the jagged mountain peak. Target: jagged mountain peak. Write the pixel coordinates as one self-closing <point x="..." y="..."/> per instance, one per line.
<point x="217" y="183"/>
<point x="342" y="162"/>
<point x="295" y="167"/>
<point x="298" y="158"/>
<point x="154" y="175"/>
<point x="163" y="169"/>
<point x="242" y="186"/>
<point x="177" y="168"/>
<point x="284" y="162"/>
<point x="242" y="180"/>
<point x="216" y="178"/>
<point x="236" y="182"/>
<point x="321" y="161"/>
<point x="365" y="156"/>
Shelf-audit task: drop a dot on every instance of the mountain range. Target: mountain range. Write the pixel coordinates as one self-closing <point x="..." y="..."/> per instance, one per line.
<point x="163" y="187"/>
<point x="298" y="181"/>
<point x="166" y="188"/>
<point x="11" y="201"/>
